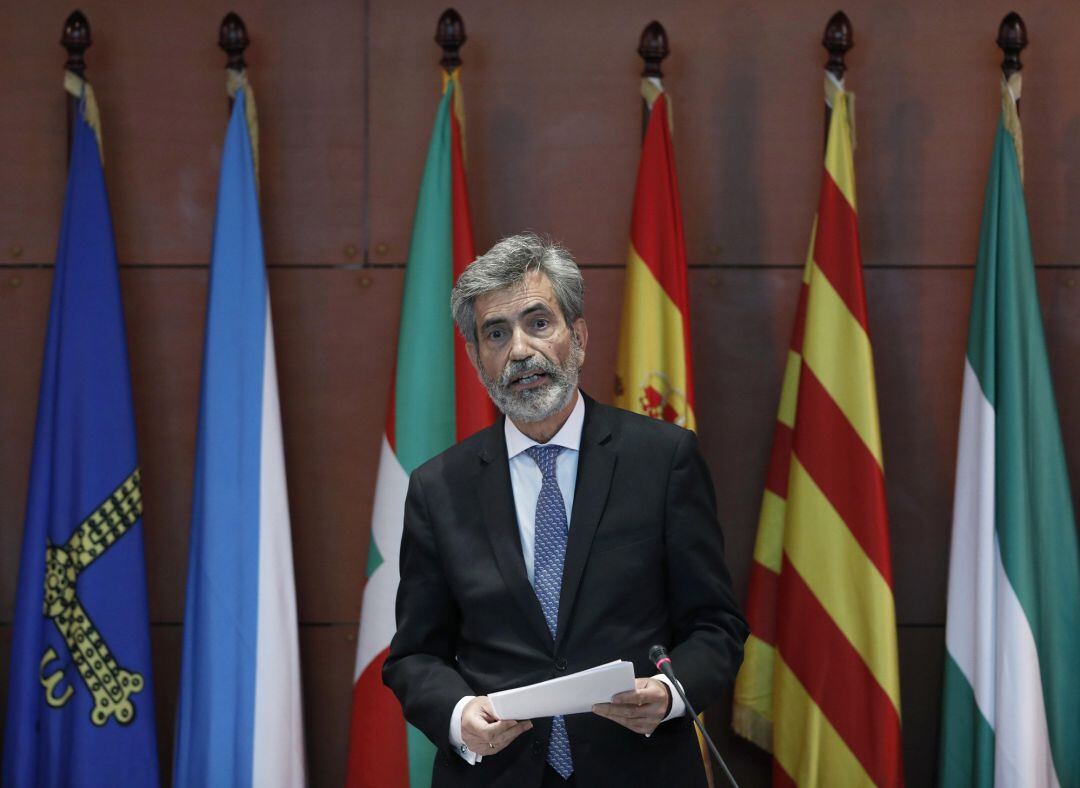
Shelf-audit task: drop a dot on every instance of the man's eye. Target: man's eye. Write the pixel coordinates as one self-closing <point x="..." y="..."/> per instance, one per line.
<point x="495" y="335"/>
<point x="541" y="323"/>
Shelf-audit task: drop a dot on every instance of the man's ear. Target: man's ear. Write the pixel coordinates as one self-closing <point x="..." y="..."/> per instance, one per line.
<point x="470" y="349"/>
<point x="580" y="331"/>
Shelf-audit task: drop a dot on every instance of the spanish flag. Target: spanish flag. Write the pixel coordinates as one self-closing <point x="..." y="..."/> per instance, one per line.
<point x="819" y="686"/>
<point x="653" y="374"/>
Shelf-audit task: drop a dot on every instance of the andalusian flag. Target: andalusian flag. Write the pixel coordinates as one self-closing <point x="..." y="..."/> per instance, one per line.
<point x="819" y="686"/>
<point x="436" y="399"/>
<point x="1011" y="706"/>
<point x="653" y="374"/>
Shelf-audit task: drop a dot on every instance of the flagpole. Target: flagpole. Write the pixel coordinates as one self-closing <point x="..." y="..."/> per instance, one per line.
<point x="838" y="39"/>
<point x="653" y="48"/>
<point x="233" y="39"/>
<point x="76" y="40"/>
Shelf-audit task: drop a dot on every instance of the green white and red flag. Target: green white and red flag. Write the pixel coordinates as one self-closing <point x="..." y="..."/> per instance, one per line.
<point x="435" y="399"/>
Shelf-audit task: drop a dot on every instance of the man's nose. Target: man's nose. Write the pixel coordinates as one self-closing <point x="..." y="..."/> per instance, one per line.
<point x="519" y="345"/>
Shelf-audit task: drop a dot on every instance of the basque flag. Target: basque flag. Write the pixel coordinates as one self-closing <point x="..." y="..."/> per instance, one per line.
<point x="80" y="696"/>
<point x="239" y="715"/>
<point x="435" y="398"/>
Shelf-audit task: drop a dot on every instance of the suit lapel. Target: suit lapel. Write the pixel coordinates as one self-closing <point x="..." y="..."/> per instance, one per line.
<point x="500" y="522"/>
<point x="596" y="465"/>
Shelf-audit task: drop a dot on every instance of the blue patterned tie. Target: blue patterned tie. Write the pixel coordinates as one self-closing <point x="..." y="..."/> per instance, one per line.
<point x="548" y="557"/>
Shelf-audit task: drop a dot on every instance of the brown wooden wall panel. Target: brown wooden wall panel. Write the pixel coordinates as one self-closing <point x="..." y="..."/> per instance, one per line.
<point x="919" y="330"/>
<point x="165" y="311"/>
<point x="166" y="642"/>
<point x="334" y="332"/>
<point x="160" y="82"/>
<point x="5" y="661"/>
<point x="327" y="654"/>
<point x="24" y="304"/>
<point x="33" y="137"/>
<point x="922" y="663"/>
<point x="553" y="123"/>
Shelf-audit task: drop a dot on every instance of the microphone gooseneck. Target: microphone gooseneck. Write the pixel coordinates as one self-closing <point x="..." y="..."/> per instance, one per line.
<point x="659" y="657"/>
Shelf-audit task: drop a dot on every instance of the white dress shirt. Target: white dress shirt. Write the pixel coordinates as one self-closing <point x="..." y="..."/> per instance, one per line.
<point x="526" y="479"/>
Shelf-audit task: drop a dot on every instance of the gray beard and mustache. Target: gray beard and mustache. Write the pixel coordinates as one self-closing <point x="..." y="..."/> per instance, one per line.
<point x="531" y="405"/>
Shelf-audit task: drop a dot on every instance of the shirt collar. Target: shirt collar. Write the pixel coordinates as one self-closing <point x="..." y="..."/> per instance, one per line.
<point x="568" y="436"/>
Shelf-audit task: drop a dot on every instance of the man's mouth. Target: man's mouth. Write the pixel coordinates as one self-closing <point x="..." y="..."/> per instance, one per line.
<point x="527" y="381"/>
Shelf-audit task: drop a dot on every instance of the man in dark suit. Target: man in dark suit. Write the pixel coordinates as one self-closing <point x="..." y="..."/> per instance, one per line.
<point x="567" y="535"/>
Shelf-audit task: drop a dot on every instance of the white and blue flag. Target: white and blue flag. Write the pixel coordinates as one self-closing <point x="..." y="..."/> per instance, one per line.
<point x="239" y="719"/>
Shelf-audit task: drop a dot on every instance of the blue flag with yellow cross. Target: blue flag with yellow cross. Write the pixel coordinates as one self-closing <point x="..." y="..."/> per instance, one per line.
<point x="80" y="698"/>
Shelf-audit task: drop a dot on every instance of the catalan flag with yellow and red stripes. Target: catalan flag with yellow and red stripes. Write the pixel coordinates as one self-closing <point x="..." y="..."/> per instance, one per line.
<point x="819" y="686"/>
<point x="653" y="374"/>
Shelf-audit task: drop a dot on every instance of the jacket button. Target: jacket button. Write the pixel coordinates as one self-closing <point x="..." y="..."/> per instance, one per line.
<point x="560" y="664"/>
<point x="538" y="748"/>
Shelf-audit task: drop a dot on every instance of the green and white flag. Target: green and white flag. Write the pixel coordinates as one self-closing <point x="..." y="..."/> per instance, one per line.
<point x="1011" y="696"/>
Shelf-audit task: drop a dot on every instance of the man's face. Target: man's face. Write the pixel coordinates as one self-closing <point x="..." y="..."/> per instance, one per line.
<point x="526" y="354"/>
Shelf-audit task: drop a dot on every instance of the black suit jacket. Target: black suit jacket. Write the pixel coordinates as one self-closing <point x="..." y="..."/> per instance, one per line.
<point x="644" y="565"/>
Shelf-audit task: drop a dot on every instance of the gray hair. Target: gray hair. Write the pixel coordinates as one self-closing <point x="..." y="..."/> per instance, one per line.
<point x="506" y="264"/>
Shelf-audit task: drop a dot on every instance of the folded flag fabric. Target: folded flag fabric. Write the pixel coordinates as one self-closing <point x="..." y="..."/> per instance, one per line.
<point x="653" y="374"/>
<point x="819" y="686"/>
<point x="436" y="398"/>
<point x="80" y="693"/>
<point x="239" y="720"/>
<point x="1011" y="697"/>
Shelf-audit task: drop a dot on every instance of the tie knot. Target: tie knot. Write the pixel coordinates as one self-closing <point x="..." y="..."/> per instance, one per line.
<point x="544" y="456"/>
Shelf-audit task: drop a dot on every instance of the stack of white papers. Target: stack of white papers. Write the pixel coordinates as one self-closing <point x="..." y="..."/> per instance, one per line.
<point x="572" y="694"/>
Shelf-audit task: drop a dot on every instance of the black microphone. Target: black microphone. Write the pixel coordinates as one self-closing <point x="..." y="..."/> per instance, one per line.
<point x="658" y="656"/>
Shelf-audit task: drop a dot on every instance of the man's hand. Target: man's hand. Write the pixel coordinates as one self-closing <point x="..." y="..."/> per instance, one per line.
<point x="641" y="709"/>
<point x="483" y="732"/>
